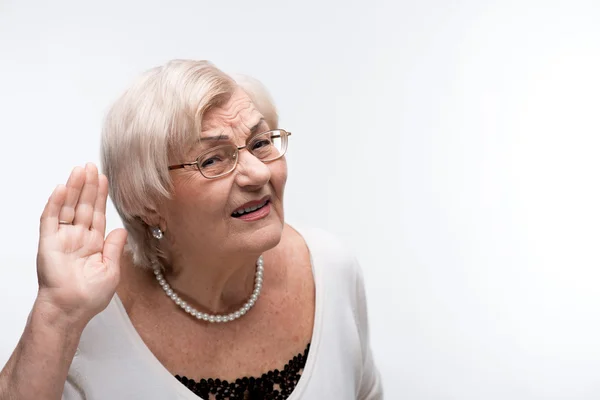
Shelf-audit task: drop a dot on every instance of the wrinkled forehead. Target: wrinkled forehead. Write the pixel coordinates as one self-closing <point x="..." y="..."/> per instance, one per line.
<point x="231" y="122"/>
<point x="238" y="114"/>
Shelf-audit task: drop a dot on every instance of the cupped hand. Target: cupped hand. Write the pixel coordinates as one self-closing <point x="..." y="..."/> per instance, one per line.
<point x="78" y="269"/>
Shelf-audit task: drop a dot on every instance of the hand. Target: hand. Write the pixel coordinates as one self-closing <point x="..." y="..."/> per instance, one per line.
<point x="78" y="270"/>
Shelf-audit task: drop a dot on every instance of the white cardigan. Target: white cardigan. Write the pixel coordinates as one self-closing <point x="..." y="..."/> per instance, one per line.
<point x="112" y="362"/>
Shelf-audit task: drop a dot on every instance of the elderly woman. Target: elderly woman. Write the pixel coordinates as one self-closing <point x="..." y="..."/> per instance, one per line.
<point x="206" y="293"/>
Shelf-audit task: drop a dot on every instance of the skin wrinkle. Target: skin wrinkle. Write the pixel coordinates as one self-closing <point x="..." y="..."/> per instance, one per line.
<point x="221" y="138"/>
<point x="253" y="131"/>
<point x="228" y="116"/>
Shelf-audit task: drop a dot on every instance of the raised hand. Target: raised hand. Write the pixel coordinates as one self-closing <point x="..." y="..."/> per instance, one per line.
<point x="78" y="269"/>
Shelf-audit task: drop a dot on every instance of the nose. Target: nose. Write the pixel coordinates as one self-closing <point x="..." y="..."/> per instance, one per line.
<point x="252" y="173"/>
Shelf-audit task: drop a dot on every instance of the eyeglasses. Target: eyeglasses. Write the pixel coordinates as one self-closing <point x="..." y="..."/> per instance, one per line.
<point x="221" y="160"/>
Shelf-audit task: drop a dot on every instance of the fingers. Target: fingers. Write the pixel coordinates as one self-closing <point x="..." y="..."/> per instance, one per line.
<point x="49" y="219"/>
<point x="73" y="190"/>
<point x="99" y="218"/>
<point x="113" y="249"/>
<point x="84" y="200"/>
<point x="84" y="211"/>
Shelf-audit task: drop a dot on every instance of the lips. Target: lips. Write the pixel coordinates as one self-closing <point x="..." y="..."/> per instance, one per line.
<point x="251" y="207"/>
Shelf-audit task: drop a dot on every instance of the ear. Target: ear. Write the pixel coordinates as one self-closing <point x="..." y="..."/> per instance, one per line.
<point x="153" y="217"/>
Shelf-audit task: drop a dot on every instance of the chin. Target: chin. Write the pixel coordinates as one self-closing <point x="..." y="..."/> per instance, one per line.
<point x="262" y="239"/>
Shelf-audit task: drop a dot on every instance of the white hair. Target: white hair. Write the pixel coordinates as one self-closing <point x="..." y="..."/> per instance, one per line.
<point x="153" y="124"/>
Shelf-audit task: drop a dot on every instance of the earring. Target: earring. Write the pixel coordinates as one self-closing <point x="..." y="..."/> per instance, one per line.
<point x="157" y="233"/>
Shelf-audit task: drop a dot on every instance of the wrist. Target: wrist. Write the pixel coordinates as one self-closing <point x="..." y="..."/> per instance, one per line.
<point x="49" y="313"/>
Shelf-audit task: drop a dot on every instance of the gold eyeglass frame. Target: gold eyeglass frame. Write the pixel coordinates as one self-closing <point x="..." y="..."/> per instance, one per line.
<point x="281" y="133"/>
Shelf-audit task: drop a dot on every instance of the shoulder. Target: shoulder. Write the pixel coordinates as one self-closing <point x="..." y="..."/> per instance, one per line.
<point x="330" y="255"/>
<point x="325" y="244"/>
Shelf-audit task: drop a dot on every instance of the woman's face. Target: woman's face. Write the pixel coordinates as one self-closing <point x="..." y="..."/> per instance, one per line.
<point x="200" y="217"/>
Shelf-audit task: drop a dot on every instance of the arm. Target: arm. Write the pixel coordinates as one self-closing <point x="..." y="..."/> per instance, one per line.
<point x="78" y="272"/>
<point x="42" y="357"/>
<point x="370" y="385"/>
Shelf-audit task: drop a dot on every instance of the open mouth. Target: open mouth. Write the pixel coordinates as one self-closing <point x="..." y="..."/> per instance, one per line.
<point x="249" y="210"/>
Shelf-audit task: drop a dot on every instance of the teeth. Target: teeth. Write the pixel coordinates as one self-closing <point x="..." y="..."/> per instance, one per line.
<point x="249" y="209"/>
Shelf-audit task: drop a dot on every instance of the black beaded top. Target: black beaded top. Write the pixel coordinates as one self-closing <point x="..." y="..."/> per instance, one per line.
<point x="273" y="385"/>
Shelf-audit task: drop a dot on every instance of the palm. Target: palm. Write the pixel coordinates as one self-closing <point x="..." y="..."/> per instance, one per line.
<point x="77" y="268"/>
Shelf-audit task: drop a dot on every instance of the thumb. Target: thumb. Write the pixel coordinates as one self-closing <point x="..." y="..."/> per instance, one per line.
<point x="113" y="248"/>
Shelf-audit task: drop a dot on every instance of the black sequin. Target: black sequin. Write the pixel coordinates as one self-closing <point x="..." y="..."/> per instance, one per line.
<point x="273" y="385"/>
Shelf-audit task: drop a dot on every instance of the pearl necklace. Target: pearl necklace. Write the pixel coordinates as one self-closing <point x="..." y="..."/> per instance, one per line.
<point x="258" y="280"/>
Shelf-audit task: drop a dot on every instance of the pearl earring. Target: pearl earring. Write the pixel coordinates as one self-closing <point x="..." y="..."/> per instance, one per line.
<point x="157" y="233"/>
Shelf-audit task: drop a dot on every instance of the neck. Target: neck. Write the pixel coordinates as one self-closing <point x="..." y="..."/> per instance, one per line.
<point x="216" y="284"/>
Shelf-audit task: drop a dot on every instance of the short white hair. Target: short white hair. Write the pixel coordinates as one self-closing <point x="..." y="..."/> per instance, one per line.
<point x="154" y="124"/>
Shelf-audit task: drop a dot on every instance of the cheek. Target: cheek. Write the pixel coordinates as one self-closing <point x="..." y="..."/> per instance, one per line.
<point x="279" y="175"/>
<point x="193" y="199"/>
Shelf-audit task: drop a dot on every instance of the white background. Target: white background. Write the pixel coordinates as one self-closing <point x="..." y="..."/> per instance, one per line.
<point x="453" y="144"/>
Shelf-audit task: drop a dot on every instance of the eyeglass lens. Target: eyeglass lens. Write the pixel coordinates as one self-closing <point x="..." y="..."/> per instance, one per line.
<point x="222" y="159"/>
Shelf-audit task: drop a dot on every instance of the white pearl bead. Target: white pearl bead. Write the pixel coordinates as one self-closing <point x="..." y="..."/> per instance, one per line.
<point x="258" y="282"/>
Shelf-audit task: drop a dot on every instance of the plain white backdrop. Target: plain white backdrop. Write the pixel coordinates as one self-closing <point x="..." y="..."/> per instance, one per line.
<point x="453" y="144"/>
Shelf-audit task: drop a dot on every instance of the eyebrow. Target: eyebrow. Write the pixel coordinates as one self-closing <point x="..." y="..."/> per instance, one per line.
<point x="253" y="131"/>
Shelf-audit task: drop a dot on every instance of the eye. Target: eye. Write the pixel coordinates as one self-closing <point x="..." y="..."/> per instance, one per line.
<point x="209" y="162"/>
<point x="264" y="142"/>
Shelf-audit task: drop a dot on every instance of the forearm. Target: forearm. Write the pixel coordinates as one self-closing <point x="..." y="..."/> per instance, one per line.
<point x="39" y="365"/>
